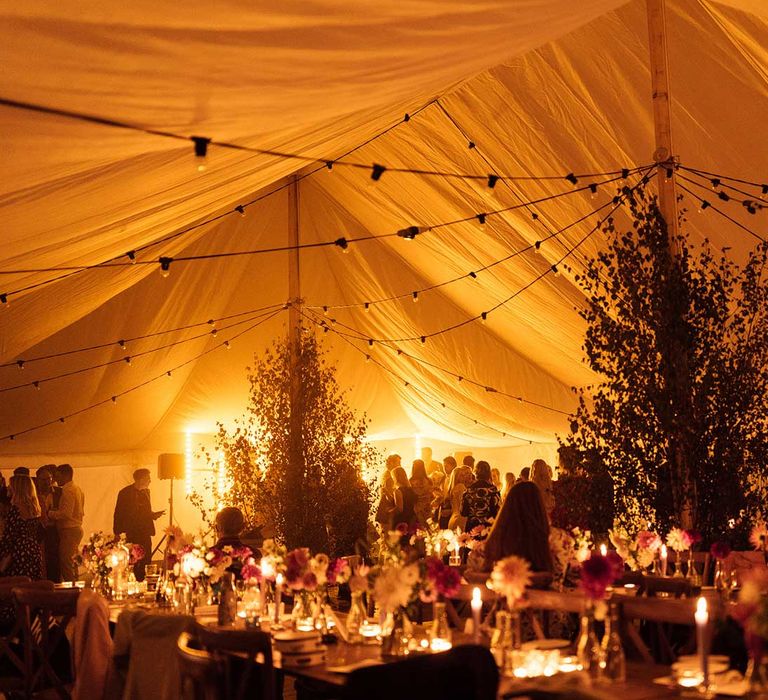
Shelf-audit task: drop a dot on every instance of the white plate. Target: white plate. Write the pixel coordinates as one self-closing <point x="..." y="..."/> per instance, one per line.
<point x="545" y="644"/>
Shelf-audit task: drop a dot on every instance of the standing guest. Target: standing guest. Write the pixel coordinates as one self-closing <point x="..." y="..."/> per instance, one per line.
<point x="541" y="475"/>
<point x="386" y="505"/>
<point x="422" y="486"/>
<point x="21" y="471"/>
<point x="509" y="482"/>
<point x="522" y="529"/>
<point x="468" y="461"/>
<point x="525" y="475"/>
<point x="134" y="516"/>
<point x="480" y="502"/>
<point x="496" y="478"/>
<point x="69" y="521"/>
<point x="461" y="477"/>
<point x="405" y="499"/>
<point x="449" y="464"/>
<point x="21" y="550"/>
<point x="49" y="495"/>
<point x="393" y="462"/>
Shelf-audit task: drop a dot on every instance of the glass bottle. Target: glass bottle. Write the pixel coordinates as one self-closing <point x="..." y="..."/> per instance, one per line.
<point x="588" y="651"/>
<point x="252" y="603"/>
<point x="227" y="600"/>
<point x="356" y="617"/>
<point x="395" y="634"/>
<point x="506" y="638"/>
<point x="440" y="631"/>
<point x="614" y="659"/>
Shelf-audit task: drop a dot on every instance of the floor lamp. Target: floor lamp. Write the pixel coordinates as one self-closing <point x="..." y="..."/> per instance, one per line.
<point x="169" y="466"/>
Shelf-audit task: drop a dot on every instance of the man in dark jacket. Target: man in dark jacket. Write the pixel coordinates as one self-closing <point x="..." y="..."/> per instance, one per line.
<point x="134" y="516"/>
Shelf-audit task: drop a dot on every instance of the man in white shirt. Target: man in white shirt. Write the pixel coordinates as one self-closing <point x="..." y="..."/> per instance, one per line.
<point x="69" y="521"/>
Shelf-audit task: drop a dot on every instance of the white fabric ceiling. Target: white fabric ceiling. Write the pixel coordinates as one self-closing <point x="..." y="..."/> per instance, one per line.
<point x="541" y="86"/>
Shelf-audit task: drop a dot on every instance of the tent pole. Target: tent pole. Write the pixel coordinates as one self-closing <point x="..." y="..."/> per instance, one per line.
<point x="664" y="154"/>
<point x="295" y="469"/>
<point x="678" y="378"/>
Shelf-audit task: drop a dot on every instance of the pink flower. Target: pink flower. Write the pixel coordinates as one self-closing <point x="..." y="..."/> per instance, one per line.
<point x="309" y="581"/>
<point x="597" y="573"/>
<point x="648" y="540"/>
<point x="692" y="537"/>
<point x="250" y="571"/>
<point x="137" y="552"/>
<point x="296" y="565"/>
<point x="720" y="550"/>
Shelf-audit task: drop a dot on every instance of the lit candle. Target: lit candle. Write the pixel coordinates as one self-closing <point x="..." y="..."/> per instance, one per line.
<point x="702" y="618"/>
<point x="603" y="550"/>
<point x="477" y="606"/>
<point x="278" y="596"/>
<point x="663" y="560"/>
<point x="437" y="550"/>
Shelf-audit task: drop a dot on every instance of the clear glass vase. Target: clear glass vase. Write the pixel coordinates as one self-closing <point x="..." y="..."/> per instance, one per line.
<point x="757" y="673"/>
<point x="588" y="650"/>
<point x="395" y="634"/>
<point x="302" y="613"/>
<point x="440" y="632"/>
<point x="356" y="618"/>
<point x="614" y="661"/>
<point x="722" y="579"/>
<point x="506" y="639"/>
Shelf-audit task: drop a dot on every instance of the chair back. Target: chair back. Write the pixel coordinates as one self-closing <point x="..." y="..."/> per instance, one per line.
<point x="674" y="587"/>
<point x="44" y="615"/>
<point x="251" y="675"/>
<point x="463" y="673"/>
<point x="197" y="671"/>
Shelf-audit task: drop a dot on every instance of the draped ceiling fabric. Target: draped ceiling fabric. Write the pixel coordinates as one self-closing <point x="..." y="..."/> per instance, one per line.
<point x="542" y="87"/>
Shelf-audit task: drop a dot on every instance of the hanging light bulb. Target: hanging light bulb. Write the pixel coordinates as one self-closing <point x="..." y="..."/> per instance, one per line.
<point x="227" y="345"/>
<point x="165" y="266"/>
<point x="240" y="209"/>
<point x="415" y="296"/>
<point x="201" y="151"/>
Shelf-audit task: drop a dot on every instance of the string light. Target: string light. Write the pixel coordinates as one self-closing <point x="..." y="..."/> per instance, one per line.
<point x="481" y="218"/>
<point x="227" y="345"/>
<point x="410" y="232"/>
<point x="342" y="243"/>
<point x="715" y="182"/>
<point x="20" y="364"/>
<point x="114" y="399"/>
<point x="703" y="205"/>
<point x="127" y="360"/>
<point x="537" y="246"/>
<point x="377" y="170"/>
<point x="201" y="150"/>
<point x="367" y="306"/>
<point x="573" y="179"/>
<point x="132" y="256"/>
<point x="4" y="299"/>
<point x="492" y="180"/>
<point x="554" y="269"/>
<point x="240" y="209"/>
<point x="329" y="165"/>
<point x="36" y="384"/>
<point x="593" y="189"/>
<point x="484" y="316"/>
<point x="415" y="296"/>
<point x="165" y="266"/>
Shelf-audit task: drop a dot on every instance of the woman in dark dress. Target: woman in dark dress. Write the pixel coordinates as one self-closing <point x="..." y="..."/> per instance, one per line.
<point x="405" y="499"/>
<point x="480" y="502"/>
<point x="21" y="549"/>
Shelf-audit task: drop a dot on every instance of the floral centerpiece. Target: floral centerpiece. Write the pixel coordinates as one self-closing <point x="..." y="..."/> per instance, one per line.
<point x="106" y="557"/>
<point x="758" y="538"/>
<point x="638" y="552"/>
<point x="509" y="578"/>
<point x="582" y="543"/>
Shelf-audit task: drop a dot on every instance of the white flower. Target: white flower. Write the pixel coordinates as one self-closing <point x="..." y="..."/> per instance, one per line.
<point x="677" y="540"/>
<point x="510" y="577"/>
<point x="390" y="590"/>
<point x="645" y="558"/>
<point x="759" y="535"/>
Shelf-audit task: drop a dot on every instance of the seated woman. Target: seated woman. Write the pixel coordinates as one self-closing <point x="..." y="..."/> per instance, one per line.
<point x="405" y="499"/>
<point x="522" y="529"/>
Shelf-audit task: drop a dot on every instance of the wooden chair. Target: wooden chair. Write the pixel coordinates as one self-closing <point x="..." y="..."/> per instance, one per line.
<point x="463" y="673"/>
<point x="251" y="671"/>
<point x="672" y="587"/>
<point x="44" y="616"/>
<point x="197" y="670"/>
<point x="10" y="639"/>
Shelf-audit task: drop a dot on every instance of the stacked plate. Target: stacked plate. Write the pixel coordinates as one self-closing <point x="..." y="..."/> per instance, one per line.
<point x="299" y="649"/>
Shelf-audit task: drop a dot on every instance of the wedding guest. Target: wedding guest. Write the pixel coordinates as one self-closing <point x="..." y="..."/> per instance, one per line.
<point x="21" y="550"/>
<point x="509" y="482"/>
<point x="541" y="475"/>
<point x="461" y="477"/>
<point x="69" y="520"/>
<point x="134" y="517"/>
<point x="422" y="486"/>
<point x="405" y="499"/>
<point x="449" y="464"/>
<point x="21" y="471"/>
<point x="386" y="506"/>
<point x="49" y="496"/>
<point x="229" y="526"/>
<point x="525" y="475"/>
<point x="480" y="502"/>
<point x="468" y="461"/>
<point x="393" y="462"/>
<point x="522" y="529"/>
<point x="496" y="478"/>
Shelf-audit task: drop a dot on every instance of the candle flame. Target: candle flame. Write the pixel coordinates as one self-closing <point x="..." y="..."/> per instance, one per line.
<point x="603" y="550"/>
<point x="279" y="579"/>
<point x="701" y="605"/>
<point x="476" y="596"/>
<point x="664" y="551"/>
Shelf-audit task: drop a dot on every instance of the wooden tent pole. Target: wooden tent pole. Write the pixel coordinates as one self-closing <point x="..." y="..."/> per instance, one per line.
<point x="295" y="469"/>
<point x="663" y="155"/>
<point x="678" y="379"/>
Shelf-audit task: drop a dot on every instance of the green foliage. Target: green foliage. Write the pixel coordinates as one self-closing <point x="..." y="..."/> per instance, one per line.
<point x="301" y="473"/>
<point x="681" y="343"/>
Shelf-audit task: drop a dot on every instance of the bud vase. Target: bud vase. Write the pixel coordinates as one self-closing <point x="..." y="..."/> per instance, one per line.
<point x="395" y="634"/>
<point x="302" y="615"/>
<point x="440" y="631"/>
<point x="757" y="674"/>
<point x="722" y="580"/>
<point x="506" y="639"/>
<point x="588" y="651"/>
<point x="356" y="618"/>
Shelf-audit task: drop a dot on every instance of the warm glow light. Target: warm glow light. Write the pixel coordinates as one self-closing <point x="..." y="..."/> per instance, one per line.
<point x="477" y="599"/>
<point x="603" y="550"/>
<point x="438" y="644"/>
<point x="702" y="615"/>
<point x="279" y="579"/>
<point x="188" y="463"/>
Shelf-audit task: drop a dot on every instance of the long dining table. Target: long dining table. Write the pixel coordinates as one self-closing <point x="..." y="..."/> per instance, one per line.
<point x="341" y="658"/>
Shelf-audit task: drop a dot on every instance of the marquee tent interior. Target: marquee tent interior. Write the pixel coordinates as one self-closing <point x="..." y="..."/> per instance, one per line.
<point x="541" y="87"/>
